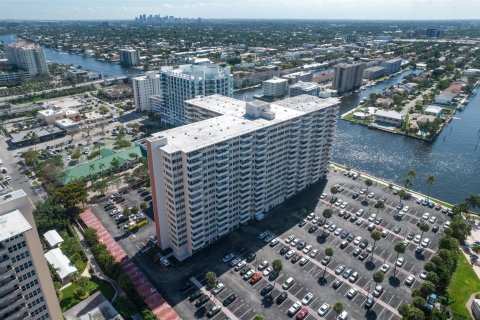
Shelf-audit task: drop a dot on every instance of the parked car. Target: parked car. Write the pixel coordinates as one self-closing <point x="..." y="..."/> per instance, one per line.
<point x="352" y="293"/>
<point x="322" y="311"/>
<point x="213" y="311"/>
<point x="219" y="288"/>
<point x="229" y="300"/>
<point x="294" y="309"/>
<point x="282" y="297"/>
<point x="288" y="283"/>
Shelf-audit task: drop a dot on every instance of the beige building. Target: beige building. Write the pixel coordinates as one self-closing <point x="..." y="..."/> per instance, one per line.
<point x="26" y="288"/>
<point x="348" y="77"/>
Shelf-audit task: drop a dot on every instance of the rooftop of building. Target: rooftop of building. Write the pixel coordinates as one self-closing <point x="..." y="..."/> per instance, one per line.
<point x="234" y="121"/>
<point x="66" y="123"/>
<point x="374" y="69"/>
<point x="276" y="80"/>
<point x="94" y="307"/>
<point x="305" y="85"/>
<point x="59" y="261"/>
<point x="389" y="114"/>
<point x="12" y="223"/>
<point x="22" y="44"/>
<point x="53" y="238"/>
<point x="203" y="70"/>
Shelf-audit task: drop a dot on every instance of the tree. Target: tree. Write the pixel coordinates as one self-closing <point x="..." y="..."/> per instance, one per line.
<point x="411" y="173"/>
<point x="57" y="285"/>
<point x="90" y="235"/>
<point x="424" y="227"/>
<point x="401" y="194"/>
<point x="91" y="167"/>
<point x="368" y="183"/>
<point x="211" y="279"/>
<point x="430" y="180"/>
<point x="234" y="238"/>
<point x="415" y="314"/>
<point x="338" y="307"/>
<point x="376" y="235"/>
<point x="100" y="185"/>
<point x="425" y="289"/>
<point x="50" y="215"/>
<point x="473" y="201"/>
<point x="76" y="154"/>
<point x="460" y="229"/>
<point x="277" y="265"/>
<point x="133" y="155"/>
<point x="259" y="317"/>
<point x="71" y="194"/>
<point x="115" y="164"/>
<point x="448" y="243"/>
<point x="407" y="182"/>
<point x="147" y="314"/>
<point x="378" y="277"/>
<point x="328" y="253"/>
<point x="379" y="205"/>
<point x="399" y="248"/>
<point x="334" y="190"/>
<point x="327" y="213"/>
<point x="403" y="309"/>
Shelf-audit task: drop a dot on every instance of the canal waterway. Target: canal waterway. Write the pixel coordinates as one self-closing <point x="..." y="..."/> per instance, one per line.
<point x="453" y="157"/>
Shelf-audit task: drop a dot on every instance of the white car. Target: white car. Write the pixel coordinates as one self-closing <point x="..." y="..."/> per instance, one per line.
<point x="344" y="204"/>
<point x="295" y="242"/>
<point x="267" y="271"/>
<point x="313" y="253"/>
<point x="263" y="265"/>
<point x="409" y="280"/>
<point x="307" y="299"/>
<point x="307" y="249"/>
<point x="384" y="268"/>
<point x="359" y="221"/>
<point x="289" y="238"/>
<point x="338" y="231"/>
<point x="372" y="217"/>
<point x="423" y="275"/>
<point x="446" y="224"/>
<point x="228" y="257"/>
<point x="315" y="220"/>
<point x="425" y="216"/>
<point x="417" y="238"/>
<point x="359" y="213"/>
<point x="432" y="219"/>
<point x="310" y="216"/>
<point x="400" y="261"/>
<point x="406" y="208"/>
<point x="371" y="195"/>
<point x="357" y="240"/>
<point x="240" y="265"/>
<point x="165" y="262"/>
<point x="289" y="254"/>
<point x="263" y="235"/>
<point x="352" y="293"/>
<point x="219" y="288"/>
<point x="294" y="308"/>
<point x="425" y="242"/>
<point x="322" y="311"/>
<point x="274" y="242"/>
<point x="248" y="275"/>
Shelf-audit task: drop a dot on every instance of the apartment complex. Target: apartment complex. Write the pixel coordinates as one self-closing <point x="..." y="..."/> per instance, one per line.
<point x="26" y="288"/>
<point x="348" y="77"/>
<point x="373" y="73"/>
<point x="299" y="88"/>
<point x="129" y="57"/>
<point x="275" y="87"/>
<point x="392" y="65"/>
<point x="233" y="162"/>
<point x="144" y="87"/>
<point x="188" y="82"/>
<point x="28" y="57"/>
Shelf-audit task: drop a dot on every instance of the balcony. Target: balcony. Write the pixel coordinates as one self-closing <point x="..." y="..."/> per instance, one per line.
<point x="8" y="302"/>
<point x="194" y="157"/>
<point x="7" y="289"/>
<point x="221" y="180"/>
<point x="197" y="244"/>
<point x="221" y="153"/>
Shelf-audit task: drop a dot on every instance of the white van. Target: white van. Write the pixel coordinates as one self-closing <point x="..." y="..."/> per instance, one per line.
<point x="343" y="316"/>
<point x="288" y="283"/>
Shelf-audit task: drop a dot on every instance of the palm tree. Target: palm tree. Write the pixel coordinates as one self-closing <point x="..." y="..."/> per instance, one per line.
<point x="133" y="155"/>
<point x="378" y="277"/>
<point x="407" y="182"/>
<point x="101" y="166"/>
<point x="473" y="201"/>
<point x="329" y="253"/>
<point x="424" y="227"/>
<point x="211" y="279"/>
<point x="368" y="183"/>
<point x="399" y="248"/>
<point x="91" y="167"/>
<point x="411" y="173"/>
<point x="334" y="190"/>
<point x="277" y="266"/>
<point x="327" y="213"/>
<point x="430" y="181"/>
<point x="402" y="193"/>
<point x="338" y="307"/>
<point x="380" y="205"/>
<point x="376" y="235"/>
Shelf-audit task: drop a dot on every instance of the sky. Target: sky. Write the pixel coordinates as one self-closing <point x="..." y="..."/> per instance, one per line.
<point x="256" y="9"/>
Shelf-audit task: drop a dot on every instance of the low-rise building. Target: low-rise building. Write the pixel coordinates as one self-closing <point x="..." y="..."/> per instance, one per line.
<point x="433" y="111"/>
<point x="81" y="75"/>
<point x="275" y="88"/>
<point x="305" y="76"/>
<point x="391" y="118"/>
<point x="392" y="65"/>
<point x="299" y="88"/>
<point x="476" y="309"/>
<point x="52" y="238"/>
<point x="64" y="268"/>
<point x="50" y="116"/>
<point x="68" y="125"/>
<point x="373" y="73"/>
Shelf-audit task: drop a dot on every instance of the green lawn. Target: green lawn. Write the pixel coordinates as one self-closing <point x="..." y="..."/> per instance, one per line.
<point x="464" y="282"/>
<point x="69" y="300"/>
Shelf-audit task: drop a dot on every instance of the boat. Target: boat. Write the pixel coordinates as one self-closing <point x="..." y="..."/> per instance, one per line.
<point x="465" y="102"/>
<point x="474" y="92"/>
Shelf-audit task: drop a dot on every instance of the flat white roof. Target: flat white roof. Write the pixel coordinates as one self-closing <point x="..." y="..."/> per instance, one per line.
<point x="60" y="262"/>
<point x="66" y="122"/>
<point x="389" y="114"/>
<point x="232" y="121"/>
<point x="53" y="238"/>
<point x="13" y="223"/>
<point x="276" y="80"/>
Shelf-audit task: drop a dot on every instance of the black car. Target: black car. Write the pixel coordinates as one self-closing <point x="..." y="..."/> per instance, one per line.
<point x="337" y="283"/>
<point x="363" y="244"/>
<point x="302" y="223"/>
<point x="301" y="245"/>
<point x="194" y="296"/>
<point x="251" y="256"/>
<point x="420" y="222"/>
<point x="344" y="235"/>
<point x="145" y="193"/>
<point x="245" y="270"/>
<point x="350" y="237"/>
<point x="284" y="250"/>
<point x="321" y="222"/>
<point x="347" y="215"/>
<point x="363" y="256"/>
<point x="353" y="218"/>
<point x="121" y="220"/>
<point x="435" y="229"/>
<point x="325" y="235"/>
<point x="334" y="199"/>
<point x="312" y="229"/>
<point x="148" y="198"/>
<point x="273" y="275"/>
<point x="355" y="195"/>
<point x="266" y="290"/>
<point x="109" y="206"/>
<point x="282" y="297"/>
<point x="228" y="300"/>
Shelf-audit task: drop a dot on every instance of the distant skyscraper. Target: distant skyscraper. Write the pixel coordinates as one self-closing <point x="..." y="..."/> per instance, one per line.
<point x="188" y="82"/>
<point x="144" y="87"/>
<point x="233" y="162"/>
<point x="348" y="76"/>
<point x="27" y="56"/>
<point x="26" y="288"/>
<point x="129" y="57"/>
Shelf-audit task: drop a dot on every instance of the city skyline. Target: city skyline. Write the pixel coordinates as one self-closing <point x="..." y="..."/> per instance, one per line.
<point x="231" y="9"/>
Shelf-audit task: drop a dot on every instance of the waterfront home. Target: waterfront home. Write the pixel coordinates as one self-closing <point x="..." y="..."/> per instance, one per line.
<point x="390" y="118"/>
<point x="433" y="111"/>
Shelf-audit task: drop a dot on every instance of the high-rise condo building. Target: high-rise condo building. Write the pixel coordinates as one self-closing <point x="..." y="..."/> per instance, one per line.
<point x="129" y="57"/>
<point x="233" y="162"/>
<point x="26" y="288"/>
<point x="348" y="77"/>
<point x="275" y="88"/>
<point x="187" y="82"/>
<point x="28" y="57"/>
<point x="144" y="87"/>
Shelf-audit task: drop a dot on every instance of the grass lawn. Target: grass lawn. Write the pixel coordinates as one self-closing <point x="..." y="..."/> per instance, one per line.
<point x="69" y="299"/>
<point x="464" y="282"/>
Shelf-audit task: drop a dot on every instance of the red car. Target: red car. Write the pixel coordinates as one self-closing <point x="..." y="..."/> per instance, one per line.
<point x="296" y="257"/>
<point x="302" y="314"/>
<point x="438" y="207"/>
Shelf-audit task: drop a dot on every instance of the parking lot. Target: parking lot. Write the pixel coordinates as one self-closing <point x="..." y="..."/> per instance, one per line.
<point x="174" y="282"/>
